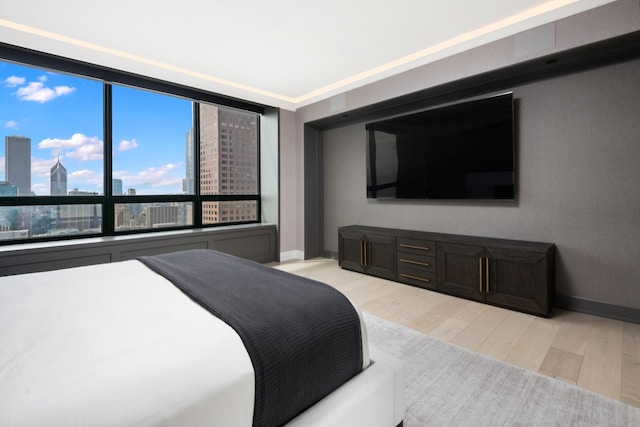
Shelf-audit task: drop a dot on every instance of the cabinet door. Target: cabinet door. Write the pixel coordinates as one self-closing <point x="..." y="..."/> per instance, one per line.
<point x="459" y="270"/>
<point x="380" y="256"/>
<point x="351" y="255"/>
<point x="518" y="280"/>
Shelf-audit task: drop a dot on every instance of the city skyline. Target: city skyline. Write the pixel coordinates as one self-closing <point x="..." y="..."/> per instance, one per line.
<point x="52" y="147"/>
<point x="62" y="115"/>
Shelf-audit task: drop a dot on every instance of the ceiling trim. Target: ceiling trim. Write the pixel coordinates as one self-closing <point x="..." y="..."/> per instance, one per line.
<point x="510" y="25"/>
<point x="137" y="58"/>
<point x="430" y="51"/>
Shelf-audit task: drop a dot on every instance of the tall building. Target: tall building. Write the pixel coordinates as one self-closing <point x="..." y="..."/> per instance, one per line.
<point x="228" y="162"/>
<point x="76" y="192"/>
<point x="58" y="180"/>
<point x="17" y="163"/>
<point x="187" y="182"/>
<point x="8" y="214"/>
<point x="122" y="217"/>
<point x="79" y="218"/>
<point x="135" y="209"/>
<point x="160" y="215"/>
<point x="116" y="187"/>
<point x="6" y="189"/>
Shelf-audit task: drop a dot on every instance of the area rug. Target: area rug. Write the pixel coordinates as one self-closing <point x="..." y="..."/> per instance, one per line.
<point x="448" y="385"/>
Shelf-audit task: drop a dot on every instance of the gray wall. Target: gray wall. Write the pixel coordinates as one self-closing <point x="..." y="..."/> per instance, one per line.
<point x="613" y="19"/>
<point x="579" y="168"/>
<point x="291" y="219"/>
<point x="269" y="166"/>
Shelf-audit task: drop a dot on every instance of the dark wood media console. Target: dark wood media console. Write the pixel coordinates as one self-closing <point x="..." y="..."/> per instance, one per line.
<point x="513" y="274"/>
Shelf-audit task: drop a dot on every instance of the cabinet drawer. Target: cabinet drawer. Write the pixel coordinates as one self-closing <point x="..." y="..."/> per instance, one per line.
<point x="416" y="246"/>
<point x="420" y="278"/>
<point x="416" y="261"/>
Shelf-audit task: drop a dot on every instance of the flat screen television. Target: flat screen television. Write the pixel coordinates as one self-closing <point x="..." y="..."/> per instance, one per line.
<point x="460" y="151"/>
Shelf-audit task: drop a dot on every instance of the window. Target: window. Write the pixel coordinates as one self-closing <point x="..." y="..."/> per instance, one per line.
<point x="153" y="154"/>
<point x="52" y="146"/>
<point x="240" y="147"/>
<point x="152" y="141"/>
<point x="115" y="154"/>
<point x="145" y="216"/>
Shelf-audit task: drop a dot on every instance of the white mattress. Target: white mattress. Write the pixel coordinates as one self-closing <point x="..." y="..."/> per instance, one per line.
<point x="114" y="345"/>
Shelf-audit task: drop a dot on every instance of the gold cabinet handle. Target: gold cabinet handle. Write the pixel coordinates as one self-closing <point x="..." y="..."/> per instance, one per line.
<point x="410" y="261"/>
<point x="364" y="244"/>
<point x="409" y="276"/>
<point x="480" y="273"/>
<point x="422" y="248"/>
<point x="486" y="272"/>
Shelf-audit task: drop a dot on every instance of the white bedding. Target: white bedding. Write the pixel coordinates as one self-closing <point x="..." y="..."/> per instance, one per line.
<point x="115" y="345"/>
<point x="88" y="346"/>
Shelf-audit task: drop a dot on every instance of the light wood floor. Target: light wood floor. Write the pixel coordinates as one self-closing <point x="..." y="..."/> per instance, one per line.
<point x="598" y="354"/>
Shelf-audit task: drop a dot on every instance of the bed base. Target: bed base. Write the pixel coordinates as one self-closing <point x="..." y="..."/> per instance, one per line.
<point x="374" y="398"/>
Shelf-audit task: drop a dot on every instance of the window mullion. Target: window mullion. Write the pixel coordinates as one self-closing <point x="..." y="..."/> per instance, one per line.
<point x="197" y="205"/>
<point x="108" y="208"/>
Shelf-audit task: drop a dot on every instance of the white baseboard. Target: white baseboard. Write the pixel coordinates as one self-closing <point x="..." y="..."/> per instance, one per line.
<point x="291" y="255"/>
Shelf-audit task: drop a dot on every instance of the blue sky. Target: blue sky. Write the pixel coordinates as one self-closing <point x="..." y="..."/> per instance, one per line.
<point x="63" y="116"/>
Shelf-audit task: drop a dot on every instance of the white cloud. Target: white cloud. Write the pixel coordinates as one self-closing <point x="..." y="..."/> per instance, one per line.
<point x="154" y="176"/>
<point x="91" y="151"/>
<point x="40" y="189"/>
<point x="42" y="168"/>
<point x="42" y="79"/>
<point x="85" y="179"/>
<point x="63" y="90"/>
<point x="79" y="146"/>
<point x="76" y="140"/>
<point x="126" y="145"/>
<point x="14" y="81"/>
<point x="85" y="174"/>
<point x="38" y="92"/>
<point x="10" y="124"/>
<point x="169" y="183"/>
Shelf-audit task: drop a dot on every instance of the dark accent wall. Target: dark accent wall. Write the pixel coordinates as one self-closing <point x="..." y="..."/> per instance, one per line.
<point x="313" y="193"/>
<point x="578" y="167"/>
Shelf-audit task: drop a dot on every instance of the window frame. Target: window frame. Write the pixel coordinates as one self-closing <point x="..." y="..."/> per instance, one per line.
<point x="108" y="201"/>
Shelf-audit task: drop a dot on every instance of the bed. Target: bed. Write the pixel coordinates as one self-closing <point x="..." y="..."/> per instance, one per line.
<point x="147" y="342"/>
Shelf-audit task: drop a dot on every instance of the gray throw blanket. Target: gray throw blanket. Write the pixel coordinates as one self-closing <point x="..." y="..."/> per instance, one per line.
<point x="303" y="336"/>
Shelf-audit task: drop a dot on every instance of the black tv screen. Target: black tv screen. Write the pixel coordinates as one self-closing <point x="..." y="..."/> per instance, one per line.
<point x="461" y="151"/>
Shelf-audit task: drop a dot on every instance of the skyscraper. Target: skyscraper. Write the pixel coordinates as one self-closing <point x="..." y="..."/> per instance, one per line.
<point x="8" y="214"/>
<point x="17" y="163"/>
<point x="58" y="180"/>
<point x="160" y="215"/>
<point x="228" y="162"/>
<point x="122" y="217"/>
<point x="116" y="187"/>
<point x="6" y="189"/>
<point x="187" y="182"/>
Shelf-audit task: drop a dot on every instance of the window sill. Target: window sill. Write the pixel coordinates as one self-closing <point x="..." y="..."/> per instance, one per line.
<point x="257" y="242"/>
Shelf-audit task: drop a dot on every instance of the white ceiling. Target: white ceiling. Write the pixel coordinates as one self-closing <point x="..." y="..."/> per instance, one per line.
<point x="285" y="53"/>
